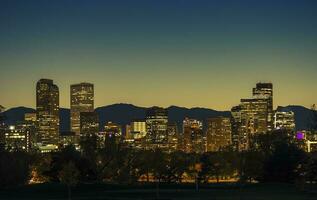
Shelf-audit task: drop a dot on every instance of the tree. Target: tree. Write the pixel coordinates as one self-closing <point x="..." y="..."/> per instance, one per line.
<point x="282" y="159"/>
<point x="178" y="165"/>
<point x="69" y="175"/>
<point x="250" y="165"/>
<point x="14" y="168"/>
<point x="216" y="164"/>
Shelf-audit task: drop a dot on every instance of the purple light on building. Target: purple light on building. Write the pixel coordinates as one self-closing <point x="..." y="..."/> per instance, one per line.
<point x="300" y="135"/>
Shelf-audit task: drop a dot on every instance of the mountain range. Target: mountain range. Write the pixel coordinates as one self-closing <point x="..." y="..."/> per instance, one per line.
<point x="124" y="113"/>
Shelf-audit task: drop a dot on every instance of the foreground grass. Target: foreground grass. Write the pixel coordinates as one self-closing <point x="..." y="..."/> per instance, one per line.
<point x="166" y="192"/>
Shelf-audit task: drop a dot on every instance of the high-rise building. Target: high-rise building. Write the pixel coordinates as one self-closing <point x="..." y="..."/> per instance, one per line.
<point x="172" y="137"/>
<point x="265" y="91"/>
<point x="254" y="114"/>
<point x="284" y="121"/>
<point x="47" y="111"/>
<point x="81" y="100"/>
<point x="156" y="126"/>
<point x="193" y="137"/>
<point x="17" y="139"/>
<point x="236" y="134"/>
<point x="218" y="133"/>
<point x="138" y="129"/>
<point x="89" y="123"/>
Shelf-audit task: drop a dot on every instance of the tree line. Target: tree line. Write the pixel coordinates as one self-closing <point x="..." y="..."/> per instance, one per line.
<point x="272" y="157"/>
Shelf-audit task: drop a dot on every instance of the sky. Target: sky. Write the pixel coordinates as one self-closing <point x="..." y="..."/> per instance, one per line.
<point x="190" y="53"/>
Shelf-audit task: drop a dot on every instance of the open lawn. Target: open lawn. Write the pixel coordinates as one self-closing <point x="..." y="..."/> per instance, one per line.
<point x="166" y="192"/>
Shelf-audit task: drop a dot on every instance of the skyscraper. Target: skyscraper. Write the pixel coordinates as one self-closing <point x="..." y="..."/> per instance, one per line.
<point x="265" y="91"/>
<point x="172" y="137"/>
<point x="47" y="110"/>
<point x="284" y="121"/>
<point x="81" y="100"/>
<point x="254" y="115"/>
<point x="137" y="129"/>
<point x="218" y="133"/>
<point x="193" y="138"/>
<point x="156" y="126"/>
<point x="236" y="134"/>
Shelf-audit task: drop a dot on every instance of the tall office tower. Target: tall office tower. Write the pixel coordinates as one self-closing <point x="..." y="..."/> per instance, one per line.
<point x="284" y="121"/>
<point x="172" y="137"/>
<point x="138" y="129"/>
<point x="254" y="114"/>
<point x="81" y="100"/>
<point x="236" y="134"/>
<point x="89" y="123"/>
<point x="193" y="136"/>
<point x="156" y="128"/>
<point x="265" y="91"/>
<point x="47" y="110"/>
<point x="218" y="133"/>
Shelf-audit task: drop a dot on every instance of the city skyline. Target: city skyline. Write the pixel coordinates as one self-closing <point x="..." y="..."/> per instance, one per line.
<point x="180" y="50"/>
<point x="161" y="99"/>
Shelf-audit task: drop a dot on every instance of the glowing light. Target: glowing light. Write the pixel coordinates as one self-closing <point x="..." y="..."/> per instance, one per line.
<point x="300" y="135"/>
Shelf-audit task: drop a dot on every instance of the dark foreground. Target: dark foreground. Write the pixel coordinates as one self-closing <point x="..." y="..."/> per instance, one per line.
<point x="166" y="192"/>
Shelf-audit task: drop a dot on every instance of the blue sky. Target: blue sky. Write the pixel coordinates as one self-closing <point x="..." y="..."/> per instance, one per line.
<point x="187" y="53"/>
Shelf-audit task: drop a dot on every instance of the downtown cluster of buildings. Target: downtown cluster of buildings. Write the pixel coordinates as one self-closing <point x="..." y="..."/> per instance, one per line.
<point x="40" y="130"/>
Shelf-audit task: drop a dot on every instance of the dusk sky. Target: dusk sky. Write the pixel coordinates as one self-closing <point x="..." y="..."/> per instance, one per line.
<point x="177" y="52"/>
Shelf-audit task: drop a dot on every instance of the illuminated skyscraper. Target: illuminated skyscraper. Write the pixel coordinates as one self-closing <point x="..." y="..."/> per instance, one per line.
<point x="172" y="137"/>
<point x="265" y="91"/>
<point x="138" y="129"/>
<point x="47" y="110"/>
<point x="218" y="133"/>
<point x="254" y="114"/>
<point x="284" y="121"/>
<point x="81" y="100"/>
<point x="236" y="134"/>
<point x="156" y="126"/>
<point x="193" y="137"/>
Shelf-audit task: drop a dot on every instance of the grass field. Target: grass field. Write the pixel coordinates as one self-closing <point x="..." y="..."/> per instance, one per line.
<point x="166" y="192"/>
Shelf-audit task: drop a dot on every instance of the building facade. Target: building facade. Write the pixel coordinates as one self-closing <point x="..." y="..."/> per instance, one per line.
<point x="17" y="139"/>
<point x="81" y="100"/>
<point x="89" y="123"/>
<point x="156" y="128"/>
<point x="47" y="112"/>
<point x="284" y="121"/>
<point x="218" y="133"/>
<point x="265" y="91"/>
<point x="193" y="136"/>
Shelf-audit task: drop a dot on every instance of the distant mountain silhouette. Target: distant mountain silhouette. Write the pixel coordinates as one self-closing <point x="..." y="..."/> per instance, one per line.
<point x="120" y="113"/>
<point x="14" y="115"/>
<point x="125" y="113"/>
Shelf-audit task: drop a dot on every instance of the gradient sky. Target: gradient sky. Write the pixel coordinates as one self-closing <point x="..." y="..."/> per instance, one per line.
<point x="190" y="53"/>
